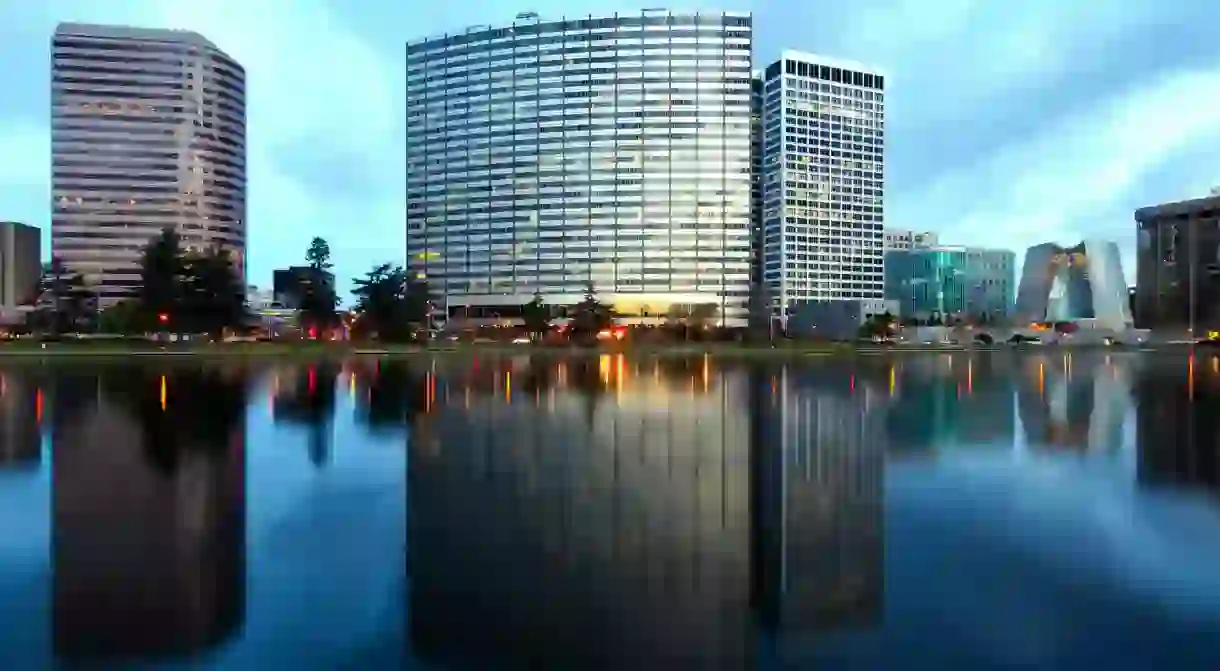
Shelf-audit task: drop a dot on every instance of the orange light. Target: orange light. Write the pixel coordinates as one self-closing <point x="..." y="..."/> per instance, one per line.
<point x="164" y="395"/>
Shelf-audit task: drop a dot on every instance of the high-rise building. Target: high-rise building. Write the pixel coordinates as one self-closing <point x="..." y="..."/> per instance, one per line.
<point x="148" y="131"/>
<point x="545" y="155"/>
<point x="822" y="180"/>
<point x="1177" y="266"/>
<point x="20" y="263"/>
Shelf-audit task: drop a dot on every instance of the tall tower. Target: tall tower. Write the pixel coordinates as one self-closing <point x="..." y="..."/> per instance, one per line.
<point x="823" y="180"/>
<point x="613" y="151"/>
<point x="148" y="131"/>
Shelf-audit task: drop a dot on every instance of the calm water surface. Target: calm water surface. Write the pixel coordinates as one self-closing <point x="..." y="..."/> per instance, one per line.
<point x="923" y="511"/>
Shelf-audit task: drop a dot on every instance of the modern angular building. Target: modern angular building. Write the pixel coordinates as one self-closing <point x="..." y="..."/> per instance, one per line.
<point x="545" y="155"/>
<point x="822" y="180"/>
<point x="20" y="263"/>
<point x="148" y="131"/>
<point x="969" y="283"/>
<point x="1178" y="265"/>
<point x="1064" y="284"/>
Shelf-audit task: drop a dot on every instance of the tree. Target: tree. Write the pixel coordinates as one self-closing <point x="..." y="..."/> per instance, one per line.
<point x="213" y="296"/>
<point x="318" y="299"/>
<point x="162" y="281"/>
<point x="122" y="317"/>
<point x="537" y="316"/>
<point x="590" y="315"/>
<point x="68" y="298"/>
<point x="391" y="304"/>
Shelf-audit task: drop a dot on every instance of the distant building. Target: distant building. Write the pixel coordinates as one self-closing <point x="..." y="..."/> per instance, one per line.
<point x="1064" y="284"/>
<point x="289" y="284"/>
<point x="965" y="282"/>
<point x="1178" y="264"/>
<point x="20" y="263"/>
<point x="898" y="238"/>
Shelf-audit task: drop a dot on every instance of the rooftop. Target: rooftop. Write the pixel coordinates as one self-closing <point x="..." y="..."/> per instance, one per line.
<point x="134" y="33"/>
<point x="1181" y="207"/>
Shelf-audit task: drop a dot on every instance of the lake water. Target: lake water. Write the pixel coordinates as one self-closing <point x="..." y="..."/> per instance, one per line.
<point x="915" y="511"/>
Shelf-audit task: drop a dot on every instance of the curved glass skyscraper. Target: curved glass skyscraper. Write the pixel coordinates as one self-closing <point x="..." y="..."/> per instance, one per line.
<point x="546" y="155"/>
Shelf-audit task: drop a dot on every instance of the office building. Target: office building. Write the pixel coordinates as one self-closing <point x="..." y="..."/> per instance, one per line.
<point x="822" y="180"/>
<point x="756" y="153"/>
<point x="148" y="131"/>
<point x="290" y="284"/>
<point x="20" y="263"/>
<point x="899" y="238"/>
<point x="968" y="283"/>
<point x="1068" y="284"/>
<point x="1177" y="267"/>
<point x="545" y="155"/>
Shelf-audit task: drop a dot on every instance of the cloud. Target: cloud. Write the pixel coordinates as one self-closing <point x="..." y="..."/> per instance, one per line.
<point x="1075" y="177"/>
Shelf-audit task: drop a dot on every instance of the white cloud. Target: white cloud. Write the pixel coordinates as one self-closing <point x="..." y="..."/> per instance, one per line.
<point x="1058" y="183"/>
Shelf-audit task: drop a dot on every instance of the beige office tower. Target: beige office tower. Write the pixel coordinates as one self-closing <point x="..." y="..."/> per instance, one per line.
<point x="148" y="131"/>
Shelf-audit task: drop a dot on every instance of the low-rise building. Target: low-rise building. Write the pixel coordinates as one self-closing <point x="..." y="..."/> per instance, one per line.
<point x="971" y="283"/>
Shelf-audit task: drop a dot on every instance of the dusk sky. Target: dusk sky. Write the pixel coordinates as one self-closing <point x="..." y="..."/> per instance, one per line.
<point x="1009" y="123"/>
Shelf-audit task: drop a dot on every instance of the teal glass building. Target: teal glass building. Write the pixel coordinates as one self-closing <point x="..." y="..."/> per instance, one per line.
<point x="963" y="282"/>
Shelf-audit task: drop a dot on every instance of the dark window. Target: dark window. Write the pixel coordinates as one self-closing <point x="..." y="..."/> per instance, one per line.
<point x="868" y="80"/>
<point x="790" y="67"/>
<point x="857" y="79"/>
<point x="836" y="75"/>
<point x="824" y="72"/>
<point x="802" y="69"/>
<point x="880" y="82"/>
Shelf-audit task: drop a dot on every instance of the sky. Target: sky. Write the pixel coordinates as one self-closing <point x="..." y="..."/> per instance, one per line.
<point x="1008" y="124"/>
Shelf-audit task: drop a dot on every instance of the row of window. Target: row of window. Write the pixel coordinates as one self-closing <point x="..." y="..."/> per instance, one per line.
<point x="516" y="31"/>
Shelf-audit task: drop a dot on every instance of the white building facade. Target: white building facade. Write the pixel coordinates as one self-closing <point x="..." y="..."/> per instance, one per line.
<point x="823" y="175"/>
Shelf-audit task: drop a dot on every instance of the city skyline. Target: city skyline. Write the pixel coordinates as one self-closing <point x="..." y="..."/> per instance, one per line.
<point x="1129" y="133"/>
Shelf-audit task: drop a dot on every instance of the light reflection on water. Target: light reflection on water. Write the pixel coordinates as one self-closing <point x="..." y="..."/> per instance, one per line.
<point x="914" y="511"/>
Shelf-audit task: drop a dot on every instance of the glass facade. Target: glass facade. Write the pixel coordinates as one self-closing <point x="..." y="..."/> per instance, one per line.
<point x="823" y="180"/>
<point x="547" y="155"/>
<point x="966" y="282"/>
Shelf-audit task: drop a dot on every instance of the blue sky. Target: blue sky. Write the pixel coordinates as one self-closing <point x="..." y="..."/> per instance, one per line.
<point x="1009" y="123"/>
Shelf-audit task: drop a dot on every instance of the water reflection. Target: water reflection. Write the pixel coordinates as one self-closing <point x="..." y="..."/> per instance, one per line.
<point x="148" y="512"/>
<point x="610" y="511"/>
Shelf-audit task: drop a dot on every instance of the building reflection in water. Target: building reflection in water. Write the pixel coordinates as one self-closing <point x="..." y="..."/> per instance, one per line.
<point x="946" y="400"/>
<point x="610" y="512"/>
<point x="306" y="395"/>
<point x="148" y="511"/>
<point x="592" y="515"/>
<point x="1076" y="402"/>
<point x="819" y="459"/>
<point x="1178" y="422"/>
<point x="20" y="411"/>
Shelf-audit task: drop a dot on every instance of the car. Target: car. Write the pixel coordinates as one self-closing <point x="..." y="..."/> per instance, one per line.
<point x="521" y="340"/>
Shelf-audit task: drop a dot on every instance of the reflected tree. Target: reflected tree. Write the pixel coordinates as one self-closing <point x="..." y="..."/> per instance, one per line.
<point x="180" y="408"/>
<point x="394" y="394"/>
<point x="310" y="401"/>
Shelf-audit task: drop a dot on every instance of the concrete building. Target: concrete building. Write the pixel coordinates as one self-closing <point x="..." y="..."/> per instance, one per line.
<point x="1178" y="265"/>
<point x="1065" y="284"/>
<point x="822" y="180"/>
<point x="148" y="131"/>
<point x="613" y="151"/>
<point x="970" y="283"/>
<point x="899" y="238"/>
<point x="289" y="284"/>
<point x="20" y="263"/>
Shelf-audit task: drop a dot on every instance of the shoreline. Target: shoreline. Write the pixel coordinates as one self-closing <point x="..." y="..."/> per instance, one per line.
<point x="727" y="350"/>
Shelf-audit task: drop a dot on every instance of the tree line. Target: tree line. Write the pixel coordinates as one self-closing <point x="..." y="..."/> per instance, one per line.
<point x="191" y="291"/>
